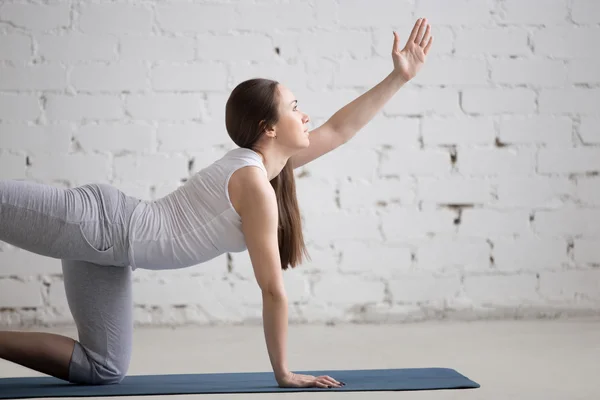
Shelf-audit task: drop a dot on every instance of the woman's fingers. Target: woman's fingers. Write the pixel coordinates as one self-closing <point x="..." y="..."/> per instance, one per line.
<point x="426" y="36"/>
<point x="426" y="50"/>
<point x="422" y="27"/>
<point x="415" y="29"/>
<point x="329" y="381"/>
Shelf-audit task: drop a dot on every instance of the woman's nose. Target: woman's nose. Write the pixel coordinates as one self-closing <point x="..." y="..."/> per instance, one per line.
<point x="306" y="119"/>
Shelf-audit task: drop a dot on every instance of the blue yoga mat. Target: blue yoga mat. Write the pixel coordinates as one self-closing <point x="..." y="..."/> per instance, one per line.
<point x="241" y="382"/>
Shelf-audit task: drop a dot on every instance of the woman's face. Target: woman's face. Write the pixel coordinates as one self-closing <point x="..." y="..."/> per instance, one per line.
<point x="292" y="128"/>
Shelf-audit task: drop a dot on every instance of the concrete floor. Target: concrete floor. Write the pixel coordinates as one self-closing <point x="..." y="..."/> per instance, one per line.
<point x="548" y="359"/>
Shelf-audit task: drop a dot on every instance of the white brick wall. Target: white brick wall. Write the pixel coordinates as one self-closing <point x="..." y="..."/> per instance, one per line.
<point x="475" y="192"/>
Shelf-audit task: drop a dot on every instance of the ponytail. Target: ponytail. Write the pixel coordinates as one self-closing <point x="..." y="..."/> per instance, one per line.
<point x="289" y="230"/>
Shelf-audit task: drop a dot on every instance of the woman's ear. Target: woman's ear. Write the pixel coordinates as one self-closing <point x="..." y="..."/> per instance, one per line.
<point x="267" y="130"/>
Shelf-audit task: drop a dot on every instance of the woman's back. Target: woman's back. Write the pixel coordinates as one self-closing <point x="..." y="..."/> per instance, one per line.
<point x="194" y="223"/>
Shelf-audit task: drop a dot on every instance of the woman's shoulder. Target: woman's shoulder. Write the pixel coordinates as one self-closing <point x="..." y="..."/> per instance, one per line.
<point x="247" y="184"/>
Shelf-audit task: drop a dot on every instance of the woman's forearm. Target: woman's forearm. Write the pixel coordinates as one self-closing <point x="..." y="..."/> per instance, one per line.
<point x="355" y="115"/>
<point x="275" y="323"/>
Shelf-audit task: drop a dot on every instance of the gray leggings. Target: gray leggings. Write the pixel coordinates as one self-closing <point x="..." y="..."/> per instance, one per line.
<point x="87" y="228"/>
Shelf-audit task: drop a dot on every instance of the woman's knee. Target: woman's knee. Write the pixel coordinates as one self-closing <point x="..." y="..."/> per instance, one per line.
<point x="91" y="369"/>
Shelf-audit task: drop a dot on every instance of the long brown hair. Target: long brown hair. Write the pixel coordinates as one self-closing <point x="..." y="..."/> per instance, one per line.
<point x="251" y="108"/>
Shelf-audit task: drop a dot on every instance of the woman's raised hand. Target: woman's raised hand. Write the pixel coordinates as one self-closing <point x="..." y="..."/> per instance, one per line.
<point x="409" y="60"/>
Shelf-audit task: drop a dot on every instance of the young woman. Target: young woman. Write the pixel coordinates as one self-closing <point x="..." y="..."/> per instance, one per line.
<point x="245" y="200"/>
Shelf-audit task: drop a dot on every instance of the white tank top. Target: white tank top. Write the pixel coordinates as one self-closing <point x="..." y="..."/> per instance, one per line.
<point x="194" y="223"/>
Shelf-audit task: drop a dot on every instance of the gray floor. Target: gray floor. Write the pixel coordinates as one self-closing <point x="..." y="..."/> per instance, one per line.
<point x="558" y="359"/>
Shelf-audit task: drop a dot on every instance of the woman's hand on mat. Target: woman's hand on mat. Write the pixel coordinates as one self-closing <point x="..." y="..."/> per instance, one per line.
<point x="409" y="60"/>
<point x="299" y="380"/>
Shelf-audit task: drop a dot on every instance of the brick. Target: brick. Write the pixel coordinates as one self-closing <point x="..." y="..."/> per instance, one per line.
<point x="453" y="72"/>
<point x="505" y="41"/>
<point x="250" y="47"/>
<point x="197" y="18"/>
<point x="527" y="12"/>
<point x="569" y="160"/>
<point x="17" y="294"/>
<point x="585" y="11"/>
<point x="567" y="222"/>
<point x="115" y="138"/>
<point x="485" y="223"/>
<point x="77" y="168"/>
<point x="327" y="167"/>
<point x="266" y="17"/>
<point x="15" y="48"/>
<point x="336" y="45"/>
<point x="19" y="107"/>
<point x="533" y="192"/>
<point x="360" y="73"/>
<point x="182" y="291"/>
<point x="424" y="288"/>
<point x="55" y="138"/>
<point x="424" y="101"/>
<point x="384" y="132"/>
<point x="589" y="130"/>
<point x="329" y="227"/>
<point x="41" y="77"/>
<point x="569" y="100"/>
<point x="458" y="130"/>
<point x="502" y="290"/>
<point x="459" y="12"/>
<point x="379" y="193"/>
<point x="373" y="259"/>
<point x="83" y="106"/>
<point x="286" y="74"/>
<point x="586" y="250"/>
<point x="112" y="78"/>
<point x="24" y="263"/>
<point x="327" y="13"/>
<point x="588" y="190"/>
<point x="151" y="168"/>
<point x="407" y="161"/>
<point x="74" y="47"/>
<point x="583" y="72"/>
<point x="164" y="106"/>
<point x="400" y="225"/>
<point x="498" y="100"/>
<point x="116" y="18"/>
<point x="357" y="14"/>
<point x="564" y="41"/>
<point x="157" y="48"/>
<point x="191" y="137"/>
<point x="189" y="78"/>
<point x="495" y="161"/>
<point x="549" y="130"/>
<point x="529" y="253"/>
<point x="37" y="17"/>
<point x="448" y="252"/>
<point x="12" y="166"/>
<point x="315" y="196"/>
<point x="543" y="73"/>
<point x="570" y="286"/>
<point x="287" y="42"/>
<point x="454" y="190"/>
<point x="348" y="291"/>
<point x="215" y="108"/>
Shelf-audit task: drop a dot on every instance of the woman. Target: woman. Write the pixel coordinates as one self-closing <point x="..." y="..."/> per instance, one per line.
<point x="101" y="234"/>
